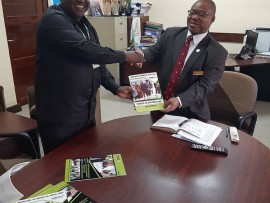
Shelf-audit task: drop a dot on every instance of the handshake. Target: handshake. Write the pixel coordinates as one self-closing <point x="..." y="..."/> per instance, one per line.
<point x="135" y="57"/>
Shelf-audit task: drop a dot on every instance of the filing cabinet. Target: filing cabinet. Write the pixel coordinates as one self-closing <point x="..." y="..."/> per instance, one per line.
<point x="112" y="32"/>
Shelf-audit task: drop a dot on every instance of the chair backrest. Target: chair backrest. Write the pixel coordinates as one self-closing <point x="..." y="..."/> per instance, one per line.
<point x="30" y="92"/>
<point x="2" y="168"/>
<point x="234" y="95"/>
<point x="98" y="108"/>
<point x="2" y="100"/>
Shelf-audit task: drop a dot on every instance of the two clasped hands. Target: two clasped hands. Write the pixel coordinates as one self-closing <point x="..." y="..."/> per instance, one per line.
<point x="136" y="58"/>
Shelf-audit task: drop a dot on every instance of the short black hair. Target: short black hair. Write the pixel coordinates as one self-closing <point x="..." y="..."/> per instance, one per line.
<point x="210" y="2"/>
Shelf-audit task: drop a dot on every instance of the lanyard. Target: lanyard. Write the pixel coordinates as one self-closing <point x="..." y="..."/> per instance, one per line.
<point x="87" y="32"/>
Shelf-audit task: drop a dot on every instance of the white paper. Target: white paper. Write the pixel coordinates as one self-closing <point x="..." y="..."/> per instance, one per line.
<point x="9" y="194"/>
<point x="170" y="121"/>
<point x="207" y="139"/>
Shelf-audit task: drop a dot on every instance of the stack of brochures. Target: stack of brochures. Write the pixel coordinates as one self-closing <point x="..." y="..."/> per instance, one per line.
<point x="79" y="169"/>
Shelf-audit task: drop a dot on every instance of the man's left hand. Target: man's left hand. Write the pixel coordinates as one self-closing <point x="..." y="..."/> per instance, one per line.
<point x="125" y="92"/>
<point x="171" y="105"/>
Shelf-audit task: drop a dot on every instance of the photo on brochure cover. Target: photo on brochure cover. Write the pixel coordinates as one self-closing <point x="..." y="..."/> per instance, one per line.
<point x="146" y="92"/>
<point x="94" y="167"/>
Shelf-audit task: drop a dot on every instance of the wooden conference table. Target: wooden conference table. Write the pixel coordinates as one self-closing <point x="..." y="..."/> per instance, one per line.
<point x="160" y="168"/>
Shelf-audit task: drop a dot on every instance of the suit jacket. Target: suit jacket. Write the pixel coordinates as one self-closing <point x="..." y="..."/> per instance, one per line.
<point x="209" y="56"/>
<point x="65" y="81"/>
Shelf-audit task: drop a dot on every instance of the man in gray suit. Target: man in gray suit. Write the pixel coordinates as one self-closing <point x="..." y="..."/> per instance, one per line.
<point x="203" y="65"/>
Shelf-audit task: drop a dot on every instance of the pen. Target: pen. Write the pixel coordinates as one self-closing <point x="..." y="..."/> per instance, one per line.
<point x="227" y="131"/>
<point x="183" y="123"/>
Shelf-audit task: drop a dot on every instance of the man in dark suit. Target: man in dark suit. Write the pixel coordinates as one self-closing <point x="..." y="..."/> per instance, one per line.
<point x="203" y="65"/>
<point x="69" y="71"/>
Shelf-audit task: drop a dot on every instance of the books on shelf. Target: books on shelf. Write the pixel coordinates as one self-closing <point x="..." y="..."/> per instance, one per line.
<point x="146" y="92"/>
<point x="61" y="192"/>
<point x="94" y="167"/>
<point x="191" y="130"/>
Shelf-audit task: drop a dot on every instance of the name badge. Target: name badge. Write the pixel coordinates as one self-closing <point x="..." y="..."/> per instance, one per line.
<point x="198" y="73"/>
<point x="95" y="66"/>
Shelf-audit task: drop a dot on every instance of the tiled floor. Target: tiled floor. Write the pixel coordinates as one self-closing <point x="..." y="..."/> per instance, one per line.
<point x="113" y="107"/>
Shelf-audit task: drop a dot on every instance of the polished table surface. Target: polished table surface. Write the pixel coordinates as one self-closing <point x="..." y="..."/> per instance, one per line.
<point x="12" y="123"/>
<point x="160" y="168"/>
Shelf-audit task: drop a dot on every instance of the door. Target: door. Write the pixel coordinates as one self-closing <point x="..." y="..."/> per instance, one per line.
<point x="21" y="17"/>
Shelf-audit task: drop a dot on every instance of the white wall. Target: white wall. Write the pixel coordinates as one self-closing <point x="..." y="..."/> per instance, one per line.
<point x="232" y="16"/>
<point x="6" y="78"/>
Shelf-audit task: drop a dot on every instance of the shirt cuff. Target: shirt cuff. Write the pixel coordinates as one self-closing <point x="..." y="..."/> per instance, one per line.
<point x="179" y="102"/>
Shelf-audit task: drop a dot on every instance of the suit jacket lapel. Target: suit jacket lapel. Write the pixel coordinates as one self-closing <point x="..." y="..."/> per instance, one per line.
<point x="194" y="56"/>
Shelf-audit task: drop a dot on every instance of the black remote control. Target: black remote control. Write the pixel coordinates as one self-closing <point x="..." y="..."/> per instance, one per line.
<point x="211" y="149"/>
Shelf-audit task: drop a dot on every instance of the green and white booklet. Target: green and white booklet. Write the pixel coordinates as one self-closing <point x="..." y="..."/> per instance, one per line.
<point x="94" y="167"/>
<point x="146" y="92"/>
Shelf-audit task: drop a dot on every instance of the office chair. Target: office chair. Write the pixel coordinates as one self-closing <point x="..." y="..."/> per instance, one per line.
<point x="14" y="148"/>
<point x="98" y="108"/>
<point x="2" y="100"/>
<point x="233" y="101"/>
<point x="30" y="93"/>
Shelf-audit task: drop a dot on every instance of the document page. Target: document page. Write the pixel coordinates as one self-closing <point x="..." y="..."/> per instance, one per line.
<point x="9" y="194"/>
<point x="169" y="123"/>
<point x="196" y="128"/>
<point x="207" y="137"/>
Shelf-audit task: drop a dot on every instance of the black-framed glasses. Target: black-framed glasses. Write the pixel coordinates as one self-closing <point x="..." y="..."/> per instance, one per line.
<point x="198" y="13"/>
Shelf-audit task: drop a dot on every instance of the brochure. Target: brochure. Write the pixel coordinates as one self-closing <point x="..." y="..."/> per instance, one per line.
<point x="94" y="167"/>
<point x="146" y="92"/>
<point x="61" y="192"/>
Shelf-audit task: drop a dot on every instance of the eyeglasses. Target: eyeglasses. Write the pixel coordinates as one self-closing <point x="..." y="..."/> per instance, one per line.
<point x="198" y="13"/>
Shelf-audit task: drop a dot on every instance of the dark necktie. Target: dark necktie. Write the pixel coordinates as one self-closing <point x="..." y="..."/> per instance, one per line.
<point x="177" y="69"/>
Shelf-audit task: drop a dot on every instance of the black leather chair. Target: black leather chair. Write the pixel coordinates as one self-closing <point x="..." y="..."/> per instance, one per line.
<point x="30" y="92"/>
<point x="2" y="100"/>
<point x="14" y="148"/>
